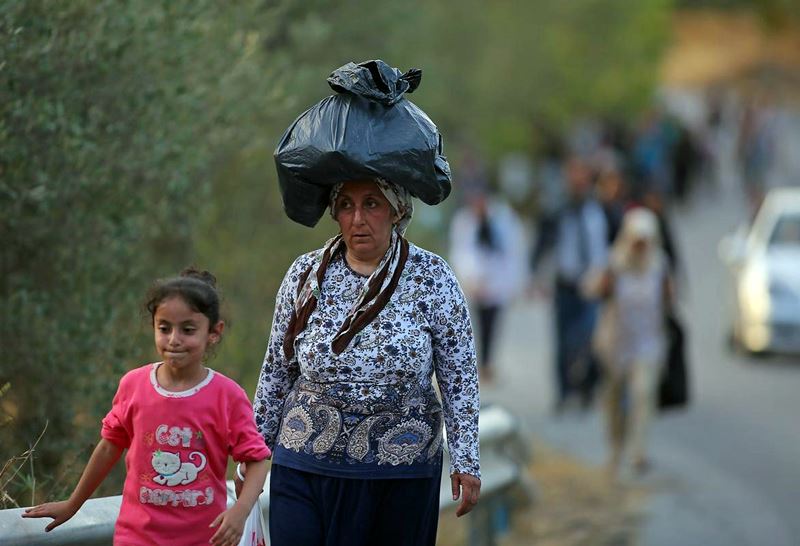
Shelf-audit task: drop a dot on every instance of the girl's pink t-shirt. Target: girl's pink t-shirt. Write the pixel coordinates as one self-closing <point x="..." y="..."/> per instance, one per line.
<point x="178" y="446"/>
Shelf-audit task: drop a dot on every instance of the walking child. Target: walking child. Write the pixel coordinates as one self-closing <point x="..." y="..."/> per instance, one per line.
<point x="178" y="420"/>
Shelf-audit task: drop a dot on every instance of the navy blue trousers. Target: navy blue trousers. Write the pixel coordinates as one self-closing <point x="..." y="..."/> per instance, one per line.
<point x="308" y="509"/>
<point x="575" y="323"/>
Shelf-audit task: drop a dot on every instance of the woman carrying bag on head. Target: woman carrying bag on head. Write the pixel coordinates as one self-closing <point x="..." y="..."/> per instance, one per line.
<point x="362" y="326"/>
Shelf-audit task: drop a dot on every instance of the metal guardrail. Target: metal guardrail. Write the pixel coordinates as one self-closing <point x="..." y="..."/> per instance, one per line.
<point x="504" y="481"/>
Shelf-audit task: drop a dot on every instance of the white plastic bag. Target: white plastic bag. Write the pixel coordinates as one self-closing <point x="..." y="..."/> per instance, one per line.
<point x="255" y="530"/>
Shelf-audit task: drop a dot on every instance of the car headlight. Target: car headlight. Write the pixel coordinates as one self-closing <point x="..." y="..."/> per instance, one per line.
<point x="754" y="294"/>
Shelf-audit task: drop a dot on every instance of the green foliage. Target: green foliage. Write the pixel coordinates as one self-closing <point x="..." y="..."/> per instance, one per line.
<point x="16" y="471"/>
<point x="523" y="65"/>
<point x="108" y="116"/>
<point x="137" y="137"/>
<point x="775" y="13"/>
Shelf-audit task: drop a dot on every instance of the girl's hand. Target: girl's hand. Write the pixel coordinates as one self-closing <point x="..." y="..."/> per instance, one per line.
<point x="231" y="526"/>
<point x="59" y="511"/>
<point x="103" y="459"/>
<point x="231" y="523"/>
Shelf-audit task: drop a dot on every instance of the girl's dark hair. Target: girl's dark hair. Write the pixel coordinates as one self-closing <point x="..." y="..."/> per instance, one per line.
<point x="197" y="288"/>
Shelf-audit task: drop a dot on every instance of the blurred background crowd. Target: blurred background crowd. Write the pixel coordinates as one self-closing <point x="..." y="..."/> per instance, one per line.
<point x="137" y="138"/>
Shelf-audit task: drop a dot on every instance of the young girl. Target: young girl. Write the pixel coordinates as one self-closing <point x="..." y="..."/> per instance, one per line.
<point x="178" y="420"/>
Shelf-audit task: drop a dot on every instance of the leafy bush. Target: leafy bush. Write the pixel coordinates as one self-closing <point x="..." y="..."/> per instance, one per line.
<point x="109" y="114"/>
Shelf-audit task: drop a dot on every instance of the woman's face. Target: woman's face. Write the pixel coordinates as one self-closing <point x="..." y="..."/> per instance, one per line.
<point x="365" y="218"/>
<point x="640" y="246"/>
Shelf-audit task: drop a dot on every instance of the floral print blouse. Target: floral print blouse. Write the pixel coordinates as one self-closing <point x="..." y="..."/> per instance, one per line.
<point x="372" y="411"/>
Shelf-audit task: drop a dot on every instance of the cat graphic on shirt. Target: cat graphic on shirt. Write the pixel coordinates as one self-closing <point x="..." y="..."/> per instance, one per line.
<point x="172" y="471"/>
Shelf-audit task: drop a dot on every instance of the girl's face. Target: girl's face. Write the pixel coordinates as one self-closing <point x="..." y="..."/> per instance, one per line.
<point x="182" y="334"/>
<point x="365" y="218"/>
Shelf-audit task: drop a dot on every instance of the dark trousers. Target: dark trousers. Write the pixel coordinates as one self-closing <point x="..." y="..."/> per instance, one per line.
<point x="576" y="368"/>
<point x="487" y="321"/>
<point x="308" y="509"/>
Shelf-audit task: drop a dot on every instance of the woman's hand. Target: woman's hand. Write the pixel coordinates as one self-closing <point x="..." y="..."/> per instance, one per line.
<point x="469" y="488"/>
<point x="59" y="511"/>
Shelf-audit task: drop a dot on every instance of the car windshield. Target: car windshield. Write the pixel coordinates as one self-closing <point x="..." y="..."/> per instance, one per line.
<point x="786" y="232"/>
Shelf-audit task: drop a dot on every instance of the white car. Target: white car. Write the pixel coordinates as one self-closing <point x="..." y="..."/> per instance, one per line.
<point x="765" y="260"/>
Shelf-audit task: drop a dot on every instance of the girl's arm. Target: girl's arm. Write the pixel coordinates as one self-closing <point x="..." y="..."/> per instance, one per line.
<point x="103" y="459"/>
<point x="231" y="521"/>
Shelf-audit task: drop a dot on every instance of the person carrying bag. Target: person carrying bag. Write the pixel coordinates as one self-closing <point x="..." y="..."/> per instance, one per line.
<point x="636" y="336"/>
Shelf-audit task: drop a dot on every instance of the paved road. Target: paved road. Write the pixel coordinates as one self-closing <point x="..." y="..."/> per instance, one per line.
<point x="728" y="470"/>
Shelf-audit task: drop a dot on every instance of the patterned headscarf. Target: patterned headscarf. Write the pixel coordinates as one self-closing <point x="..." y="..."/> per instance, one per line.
<point x="377" y="289"/>
<point x="399" y="198"/>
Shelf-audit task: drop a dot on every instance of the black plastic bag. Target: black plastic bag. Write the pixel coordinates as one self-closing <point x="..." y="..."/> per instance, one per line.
<point x="367" y="130"/>
<point x="673" y="389"/>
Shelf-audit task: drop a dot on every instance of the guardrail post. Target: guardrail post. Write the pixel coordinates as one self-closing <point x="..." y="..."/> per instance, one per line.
<point x="481" y="529"/>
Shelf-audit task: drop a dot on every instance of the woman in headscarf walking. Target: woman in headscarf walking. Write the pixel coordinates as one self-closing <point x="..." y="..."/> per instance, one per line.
<point x="631" y="338"/>
<point x="362" y="326"/>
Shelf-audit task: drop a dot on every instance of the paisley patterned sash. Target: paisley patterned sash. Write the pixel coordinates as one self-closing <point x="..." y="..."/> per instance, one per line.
<point x="398" y="424"/>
